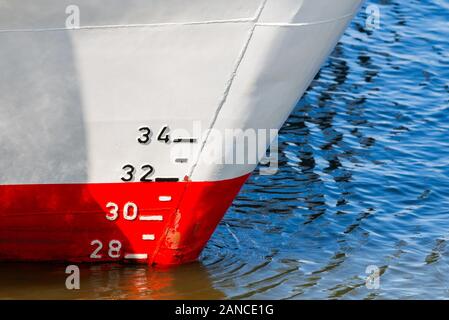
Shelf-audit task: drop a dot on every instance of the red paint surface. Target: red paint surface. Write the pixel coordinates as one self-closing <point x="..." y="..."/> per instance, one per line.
<point x="59" y="222"/>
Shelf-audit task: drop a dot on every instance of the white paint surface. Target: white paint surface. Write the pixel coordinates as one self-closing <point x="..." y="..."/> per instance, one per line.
<point x="149" y="237"/>
<point x="136" y="256"/>
<point x="71" y="101"/>
<point x="151" y="218"/>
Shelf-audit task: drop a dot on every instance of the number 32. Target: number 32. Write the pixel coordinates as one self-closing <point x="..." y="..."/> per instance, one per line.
<point x="130" y="173"/>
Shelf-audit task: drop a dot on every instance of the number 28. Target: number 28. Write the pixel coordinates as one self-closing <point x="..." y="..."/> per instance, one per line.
<point x="114" y="249"/>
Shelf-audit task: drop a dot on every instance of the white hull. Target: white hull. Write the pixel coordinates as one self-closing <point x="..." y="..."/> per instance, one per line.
<point x="72" y="101"/>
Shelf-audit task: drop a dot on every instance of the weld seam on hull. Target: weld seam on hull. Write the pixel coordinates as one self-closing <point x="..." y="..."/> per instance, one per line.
<point x="168" y="221"/>
<point x="229" y="85"/>
<point x="191" y="23"/>
<point x="139" y="25"/>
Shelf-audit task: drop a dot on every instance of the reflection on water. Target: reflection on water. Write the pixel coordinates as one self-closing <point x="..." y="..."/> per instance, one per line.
<point x="364" y="180"/>
<point x="106" y="281"/>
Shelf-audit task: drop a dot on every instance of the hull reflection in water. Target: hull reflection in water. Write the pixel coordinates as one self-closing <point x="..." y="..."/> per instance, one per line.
<point x="107" y="281"/>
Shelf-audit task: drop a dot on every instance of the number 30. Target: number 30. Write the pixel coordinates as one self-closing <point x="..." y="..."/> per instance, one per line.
<point x="130" y="211"/>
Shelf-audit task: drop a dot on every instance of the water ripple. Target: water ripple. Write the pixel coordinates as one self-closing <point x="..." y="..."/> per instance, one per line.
<point x="363" y="174"/>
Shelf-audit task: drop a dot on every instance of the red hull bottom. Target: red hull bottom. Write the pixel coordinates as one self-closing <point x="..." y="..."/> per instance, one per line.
<point x="165" y="223"/>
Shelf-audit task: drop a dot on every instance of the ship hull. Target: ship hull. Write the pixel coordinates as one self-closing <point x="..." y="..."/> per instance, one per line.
<point x="166" y="223"/>
<point x="110" y="114"/>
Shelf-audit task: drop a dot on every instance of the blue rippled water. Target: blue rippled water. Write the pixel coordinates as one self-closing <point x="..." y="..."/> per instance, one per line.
<point x="364" y="174"/>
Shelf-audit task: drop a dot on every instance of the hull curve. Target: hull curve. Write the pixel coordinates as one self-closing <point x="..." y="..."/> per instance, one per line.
<point x="95" y="98"/>
<point x="163" y="223"/>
